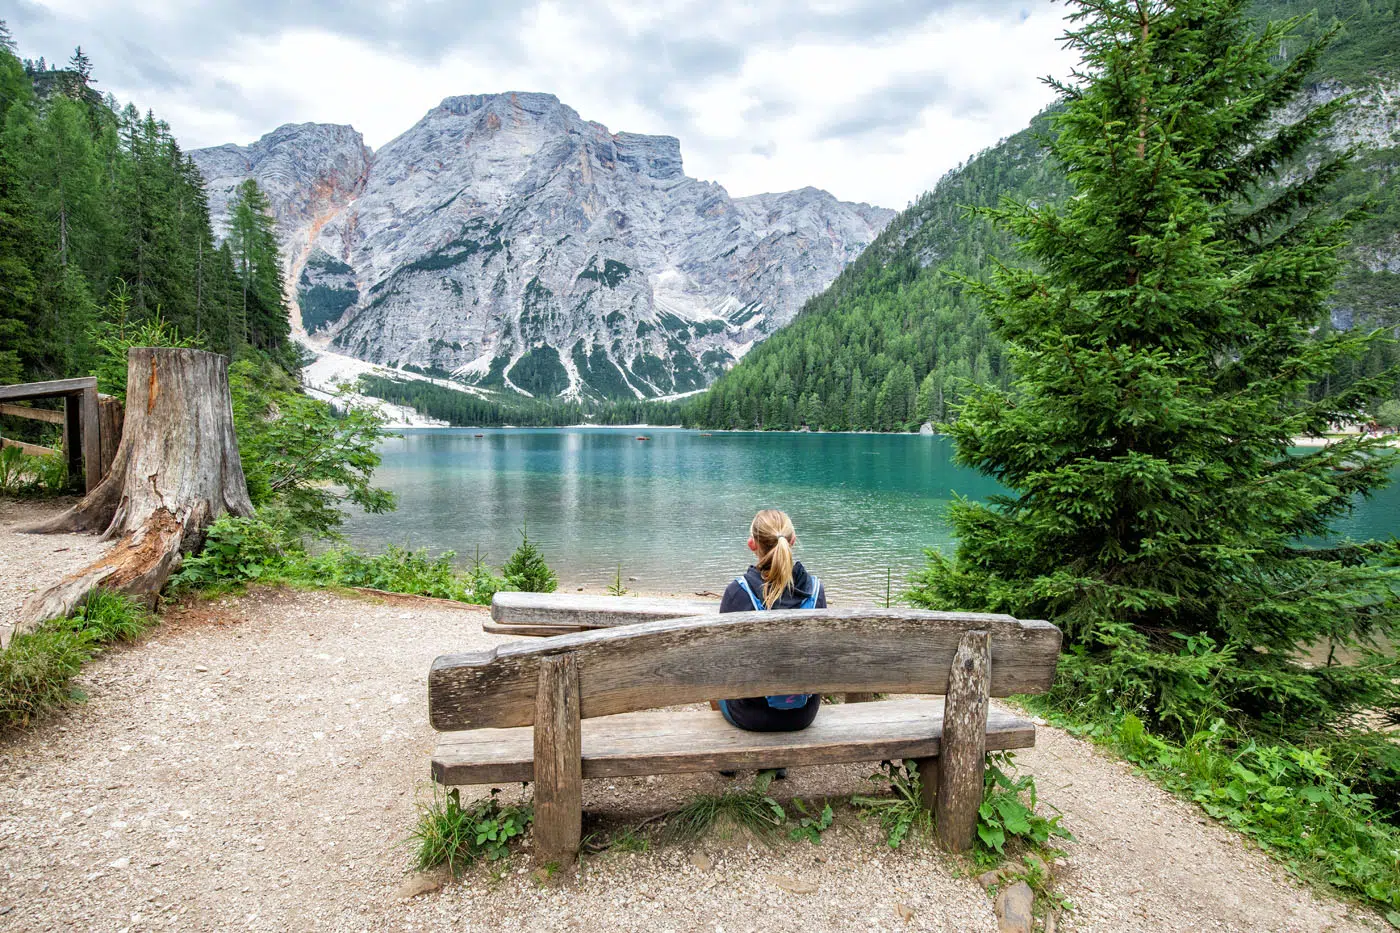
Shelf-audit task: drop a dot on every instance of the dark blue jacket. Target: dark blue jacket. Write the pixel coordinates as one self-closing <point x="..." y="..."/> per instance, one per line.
<point x="754" y="713"/>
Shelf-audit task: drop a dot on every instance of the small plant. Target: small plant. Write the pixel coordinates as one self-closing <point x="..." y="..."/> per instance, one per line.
<point x="1008" y="808"/>
<point x="448" y="832"/>
<point x="16" y="470"/>
<point x="526" y="570"/>
<point x="482" y="584"/>
<point x="37" y="667"/>
<point x="23" y="474"/>
<point x="750" y="809"/>
<point x="811" y="824"/>
<point x="616" y="588"/>
<point x="901" y="813"/>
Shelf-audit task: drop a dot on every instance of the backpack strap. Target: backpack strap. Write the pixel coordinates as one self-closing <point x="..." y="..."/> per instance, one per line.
<point x="757" y="603"/>
<point x="811" y="601"/>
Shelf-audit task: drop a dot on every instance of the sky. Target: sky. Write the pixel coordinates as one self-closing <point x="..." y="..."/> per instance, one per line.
<point x="872" y="100"/>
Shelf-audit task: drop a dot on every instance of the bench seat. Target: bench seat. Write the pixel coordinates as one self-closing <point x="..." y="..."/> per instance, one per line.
<point x="673" y="741"/>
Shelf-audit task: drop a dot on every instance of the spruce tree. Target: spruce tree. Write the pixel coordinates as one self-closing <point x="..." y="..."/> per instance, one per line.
<point x="526" y="569"/>
<point x="1162" y="340"/>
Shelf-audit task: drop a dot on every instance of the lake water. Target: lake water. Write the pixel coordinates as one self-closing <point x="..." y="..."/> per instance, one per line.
<point x="674" y="510"/>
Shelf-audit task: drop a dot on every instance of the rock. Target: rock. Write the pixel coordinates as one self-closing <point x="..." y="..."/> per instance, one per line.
<point x="123" y="862"/>
<point x="1051" y="922"/>
<point x="701" y="861"/>
<point x="987" y="879"/>
<point x="502" y="225"/>
<point x="793" y="885"/>
<point x="906" y="913"/>
<point x="1013" y="908"/>
<point x="420" y="883"/>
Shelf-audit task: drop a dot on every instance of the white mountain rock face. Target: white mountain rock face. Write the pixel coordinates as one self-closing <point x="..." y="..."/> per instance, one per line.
<point x="508" y="242"/>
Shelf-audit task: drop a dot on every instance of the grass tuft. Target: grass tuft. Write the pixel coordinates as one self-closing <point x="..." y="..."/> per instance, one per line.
<point x="750" y="809"/>
<point x="449" y="833"/>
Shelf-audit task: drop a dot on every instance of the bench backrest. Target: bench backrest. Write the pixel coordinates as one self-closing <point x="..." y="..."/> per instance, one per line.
<point x="586" y="611"/>
<point x="742" y="654"/>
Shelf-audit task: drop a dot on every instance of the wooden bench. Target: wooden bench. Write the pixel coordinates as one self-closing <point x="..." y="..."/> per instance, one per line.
<point x="544" y="614"/>
<point x="560" y="709"/>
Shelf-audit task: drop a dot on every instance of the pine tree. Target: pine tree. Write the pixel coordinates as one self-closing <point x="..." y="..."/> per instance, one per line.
<point x="262" y="313"/>
<point x="526" y="569"/>
<point x="1157" y="510"/>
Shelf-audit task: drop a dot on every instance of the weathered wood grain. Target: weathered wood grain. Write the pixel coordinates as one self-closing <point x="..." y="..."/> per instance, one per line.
<point x="535" y="630"/>
<point x="32" y="390"/>
<point x="964" y="743"/>
<point x="34" y="450"/>
<point x="557" y="761"/>
<point x="679" y="741"/>
<point x="677" y="661"/>
<point x="578" y="611"/>
<point x="51" y="415"/>
<point x="928" y="778"/>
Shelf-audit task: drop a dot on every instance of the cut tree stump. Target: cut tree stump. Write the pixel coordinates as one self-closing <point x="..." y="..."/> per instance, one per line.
<point x="175" y="471"/>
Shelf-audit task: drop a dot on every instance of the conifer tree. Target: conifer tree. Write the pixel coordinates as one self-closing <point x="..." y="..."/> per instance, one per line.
<point x="526" y="569"/>
<point x="1158" y="511"/>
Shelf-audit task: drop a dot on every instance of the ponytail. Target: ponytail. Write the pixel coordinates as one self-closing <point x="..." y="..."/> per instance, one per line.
<point x="772" y="531"/>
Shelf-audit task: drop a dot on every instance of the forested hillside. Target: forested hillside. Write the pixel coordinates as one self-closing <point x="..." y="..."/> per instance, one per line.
<point x="895" y="339"/>
<point x="104" y="231"/>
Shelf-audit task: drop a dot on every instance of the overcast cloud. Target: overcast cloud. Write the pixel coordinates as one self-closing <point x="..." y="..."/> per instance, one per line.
<point x="872" y="100"/>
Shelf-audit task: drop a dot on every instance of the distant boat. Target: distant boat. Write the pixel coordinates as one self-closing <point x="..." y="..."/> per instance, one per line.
<point x="478" y="435"/>
<point x="643" y="437"/>
<point x="706" y="434"/>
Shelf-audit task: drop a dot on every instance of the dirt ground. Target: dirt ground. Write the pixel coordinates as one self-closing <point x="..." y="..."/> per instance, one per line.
<point x="256" y="762"/>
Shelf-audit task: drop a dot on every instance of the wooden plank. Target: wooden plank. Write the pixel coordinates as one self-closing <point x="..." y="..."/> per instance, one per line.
<point x="111" y="415"/>
<point x="533" y="630"/>
<point x="689" y="740"/>
<point x="739" y="654"/>
<point x="51" y="415"/>
<point x="90" y="442"/>
<point x="34" y="450"/>
<point x="580" y="611"/>
<point x="964" y="743"/>
<point x="557" y="762"/>
<point x="57" y="387"/>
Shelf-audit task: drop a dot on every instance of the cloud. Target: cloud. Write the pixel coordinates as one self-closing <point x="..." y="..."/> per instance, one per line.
<point x="869" y="99"/>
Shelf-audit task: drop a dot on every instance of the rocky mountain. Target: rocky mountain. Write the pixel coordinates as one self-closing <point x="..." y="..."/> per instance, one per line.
<point x="508" y="243"/>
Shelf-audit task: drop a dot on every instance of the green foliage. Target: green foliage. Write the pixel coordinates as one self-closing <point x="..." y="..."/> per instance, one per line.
<point x="459" y="836"/>
<point x="117" y="332"/>
<point x="811" y="823"/>
<point x="299" y="455"/>
<point x="37" y="667"/>
<point x="1008" y="810"/>
<point x="750" y="809"/>
<point x="900" y="812"/>
<point x="1296" y="802"/>
<point x="508" y="408"/>
<point x="526" y="569"/>
<point x="1388" y="414"/>
<point x="1163" y="337"/>
<point x="23" y="474"/>
<point x="260" y="549"/>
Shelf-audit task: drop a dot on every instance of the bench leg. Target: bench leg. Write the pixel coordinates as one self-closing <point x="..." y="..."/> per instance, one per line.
<point x="963" y="750"/>
<point x="928" y="782"/>
<point x="558" y="764"/>
<point x="860" y="697"/>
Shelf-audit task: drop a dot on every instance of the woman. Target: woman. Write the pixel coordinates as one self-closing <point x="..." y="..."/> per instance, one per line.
<point x="776" y="581"/>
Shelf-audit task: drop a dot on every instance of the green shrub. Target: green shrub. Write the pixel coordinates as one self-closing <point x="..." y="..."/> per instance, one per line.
<point x="526" y="569"/>
<point x="455" y="835"/>
<point x="240" y="550"/>
<point x="397" y="570"/>
<point x="811" y="823"/>
<point x="23" y="474"/>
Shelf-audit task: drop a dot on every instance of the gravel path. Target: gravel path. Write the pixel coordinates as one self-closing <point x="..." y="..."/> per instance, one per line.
<point x="255" y="763"/>
<point x="29" y="563"/>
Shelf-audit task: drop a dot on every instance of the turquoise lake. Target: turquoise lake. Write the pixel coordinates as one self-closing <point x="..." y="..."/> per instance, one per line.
<point x="674" y="510"/>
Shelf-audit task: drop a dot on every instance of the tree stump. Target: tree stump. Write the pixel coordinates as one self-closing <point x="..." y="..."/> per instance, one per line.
<point x="174" y="472"/>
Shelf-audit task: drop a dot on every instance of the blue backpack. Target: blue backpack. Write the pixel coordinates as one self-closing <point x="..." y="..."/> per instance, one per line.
<point x="785" y="700"/>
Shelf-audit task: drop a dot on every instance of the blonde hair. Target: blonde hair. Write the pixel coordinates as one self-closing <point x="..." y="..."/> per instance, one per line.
<point x="772" y="531"/>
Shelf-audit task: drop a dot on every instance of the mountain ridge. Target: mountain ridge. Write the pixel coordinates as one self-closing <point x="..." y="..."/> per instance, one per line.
<point x="506" y="242"/>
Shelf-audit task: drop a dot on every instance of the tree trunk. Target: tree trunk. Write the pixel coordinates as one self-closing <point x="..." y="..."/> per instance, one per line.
<point x="175" y="471"/>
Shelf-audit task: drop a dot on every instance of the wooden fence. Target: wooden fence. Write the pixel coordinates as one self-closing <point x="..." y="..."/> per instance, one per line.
<point x="92" y="423"/>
